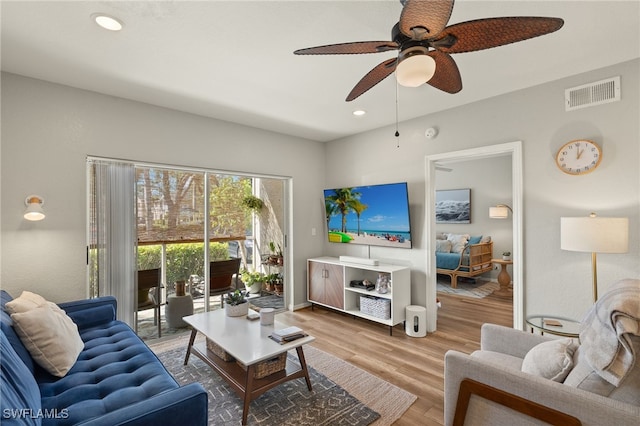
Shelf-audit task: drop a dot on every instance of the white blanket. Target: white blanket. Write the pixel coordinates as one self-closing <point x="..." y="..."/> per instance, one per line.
<point x="607" y="330"/>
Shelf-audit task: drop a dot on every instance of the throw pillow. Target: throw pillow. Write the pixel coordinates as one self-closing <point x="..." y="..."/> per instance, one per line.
<point x="475" y="240"/>
<point x="50" y="336"/>
<point x="25" y="302"/>
<point x="458" y="241"/>
<point x="443" y="246"/>
<point x="552" y="360"/>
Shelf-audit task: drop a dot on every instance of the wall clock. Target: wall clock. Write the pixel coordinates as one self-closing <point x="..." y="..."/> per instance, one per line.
<point x="579" y="157"/>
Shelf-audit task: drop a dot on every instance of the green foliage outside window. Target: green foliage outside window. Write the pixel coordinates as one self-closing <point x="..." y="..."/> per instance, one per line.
<point x="183" y="260"/>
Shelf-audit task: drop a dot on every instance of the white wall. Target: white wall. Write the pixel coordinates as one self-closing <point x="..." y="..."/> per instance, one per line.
<point x="555" y="281"/>
<point x="47" y="132"/>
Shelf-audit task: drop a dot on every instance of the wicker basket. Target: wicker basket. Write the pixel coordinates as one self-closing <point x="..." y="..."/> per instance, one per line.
<point x="375" y="306"/>
<point x="221" y="353"/>
<point x="268" y="367"/>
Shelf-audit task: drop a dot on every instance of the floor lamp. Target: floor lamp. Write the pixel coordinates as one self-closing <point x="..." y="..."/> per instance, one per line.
<point x="596" y="235"/>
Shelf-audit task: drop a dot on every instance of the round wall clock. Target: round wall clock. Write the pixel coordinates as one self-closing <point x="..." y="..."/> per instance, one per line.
<point x="579" y="157"/>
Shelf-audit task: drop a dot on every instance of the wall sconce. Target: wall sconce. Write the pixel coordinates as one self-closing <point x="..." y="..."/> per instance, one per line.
<point x="34" y="208"/>
<point x="596" y="235"/>
<point x="501" y="211"/>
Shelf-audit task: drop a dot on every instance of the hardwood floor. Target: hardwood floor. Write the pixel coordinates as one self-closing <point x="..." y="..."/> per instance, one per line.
<point x="413" y="364"/>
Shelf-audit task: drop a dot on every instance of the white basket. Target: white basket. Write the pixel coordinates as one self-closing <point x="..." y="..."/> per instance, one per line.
<point x="375" y="306"/>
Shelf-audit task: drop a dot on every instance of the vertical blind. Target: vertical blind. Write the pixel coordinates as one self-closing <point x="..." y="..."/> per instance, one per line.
<point x="112" y="232"/>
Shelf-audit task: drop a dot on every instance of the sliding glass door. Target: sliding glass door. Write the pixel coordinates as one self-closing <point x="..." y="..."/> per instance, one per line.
<point x="169" y="211"/>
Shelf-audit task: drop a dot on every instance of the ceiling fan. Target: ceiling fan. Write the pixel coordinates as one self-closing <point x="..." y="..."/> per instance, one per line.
<point x="425" y="44"/>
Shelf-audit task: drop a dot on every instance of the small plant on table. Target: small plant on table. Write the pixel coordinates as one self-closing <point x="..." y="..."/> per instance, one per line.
<point x="236" y="303"/>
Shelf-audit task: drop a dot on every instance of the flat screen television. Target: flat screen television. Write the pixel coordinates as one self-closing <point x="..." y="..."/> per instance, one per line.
<point x="375" y="215"/>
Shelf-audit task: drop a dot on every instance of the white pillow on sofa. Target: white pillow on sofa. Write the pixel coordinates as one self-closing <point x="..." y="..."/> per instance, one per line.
<point x="458" y="241"/>
<point x="552" y="360"/>
<point x="25" y="302"/>
<point x="50" y="336"/>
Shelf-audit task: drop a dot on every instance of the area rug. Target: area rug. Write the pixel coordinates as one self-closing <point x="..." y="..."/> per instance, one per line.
<point x="468" y="289"/>
<point x="342" y="393"/>
<point x="270" y="301"/>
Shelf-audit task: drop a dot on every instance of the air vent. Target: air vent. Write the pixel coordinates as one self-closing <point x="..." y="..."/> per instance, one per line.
<point x="597" y="93"/>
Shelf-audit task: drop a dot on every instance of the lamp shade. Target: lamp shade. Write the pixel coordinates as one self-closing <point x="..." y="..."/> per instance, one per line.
<point x="34" y="208"/>
<point x="594" y="234"/>
<point x="499" y="212"/>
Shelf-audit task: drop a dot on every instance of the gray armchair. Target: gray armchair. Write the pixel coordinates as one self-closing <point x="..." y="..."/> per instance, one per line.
<point x="489" y="387"/>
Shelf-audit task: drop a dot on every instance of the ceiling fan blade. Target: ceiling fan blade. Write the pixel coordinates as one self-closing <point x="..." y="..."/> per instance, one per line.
<point x="493" y="32"/>
<point x="421" y="19"/>
<point x="350" y="48"/>
<point x="447" y="76"/>
<point x="373" y="77"/>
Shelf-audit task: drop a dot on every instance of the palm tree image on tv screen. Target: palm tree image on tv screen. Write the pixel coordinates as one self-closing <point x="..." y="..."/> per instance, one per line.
<point x="376" y="215"/>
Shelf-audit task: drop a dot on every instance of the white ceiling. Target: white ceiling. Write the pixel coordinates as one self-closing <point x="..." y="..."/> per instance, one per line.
<point x="233" y="60"/>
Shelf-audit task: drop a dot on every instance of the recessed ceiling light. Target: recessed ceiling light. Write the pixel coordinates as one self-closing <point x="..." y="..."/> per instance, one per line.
<point x="359" y="112"/>
<point x="107" y="22"/>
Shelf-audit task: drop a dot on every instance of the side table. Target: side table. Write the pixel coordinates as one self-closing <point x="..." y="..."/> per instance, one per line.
<point x="504" y="279"/>
<point x="549" y="324"/>
<point x="178" y="307"/>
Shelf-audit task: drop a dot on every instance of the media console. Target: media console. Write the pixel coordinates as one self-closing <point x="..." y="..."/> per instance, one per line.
<point x="328" y="285"/>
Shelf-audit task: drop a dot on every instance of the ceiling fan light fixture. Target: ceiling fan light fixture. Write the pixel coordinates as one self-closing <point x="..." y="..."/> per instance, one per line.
<point x="415" y="67"/>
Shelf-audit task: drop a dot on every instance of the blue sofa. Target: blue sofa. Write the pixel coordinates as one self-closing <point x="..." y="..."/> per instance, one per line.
<point x="116" y="380"/>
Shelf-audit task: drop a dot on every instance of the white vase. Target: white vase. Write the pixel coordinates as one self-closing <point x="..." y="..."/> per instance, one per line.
<point x="236" y="310"/>
<point x="254" y="288"/>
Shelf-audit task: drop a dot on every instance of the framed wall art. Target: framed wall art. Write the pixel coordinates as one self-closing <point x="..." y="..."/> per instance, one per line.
<point x="453" y="206"/>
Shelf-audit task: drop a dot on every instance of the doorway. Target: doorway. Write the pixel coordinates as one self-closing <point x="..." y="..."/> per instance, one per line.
<point x="433" y="162"/>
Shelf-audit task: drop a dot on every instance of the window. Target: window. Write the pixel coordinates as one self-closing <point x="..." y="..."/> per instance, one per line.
<point x="171" y="220"/>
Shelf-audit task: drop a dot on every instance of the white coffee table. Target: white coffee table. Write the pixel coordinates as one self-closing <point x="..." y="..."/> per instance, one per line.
<point x="249" y="343"/>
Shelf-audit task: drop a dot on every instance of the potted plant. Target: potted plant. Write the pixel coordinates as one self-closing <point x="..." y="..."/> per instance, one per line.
<point x="252" y="280"/>
<point x="236" y="304"/>
<point x="506" y="255"/>
<point x="276" y="257"/>
<point x="271" y="281"/>
<point x="252" y="203"/>
<point x="278" y="284"/>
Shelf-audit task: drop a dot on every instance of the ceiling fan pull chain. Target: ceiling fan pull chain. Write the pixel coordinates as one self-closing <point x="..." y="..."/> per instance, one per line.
<point x="397" y="134"/>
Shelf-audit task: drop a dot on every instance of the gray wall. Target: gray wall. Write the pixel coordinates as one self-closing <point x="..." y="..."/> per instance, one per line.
<point x="47" y="132"/>
<point x="555" y="281"/>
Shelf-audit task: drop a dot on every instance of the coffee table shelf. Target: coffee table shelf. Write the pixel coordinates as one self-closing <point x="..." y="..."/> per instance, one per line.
<point x="238" y="377"/>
